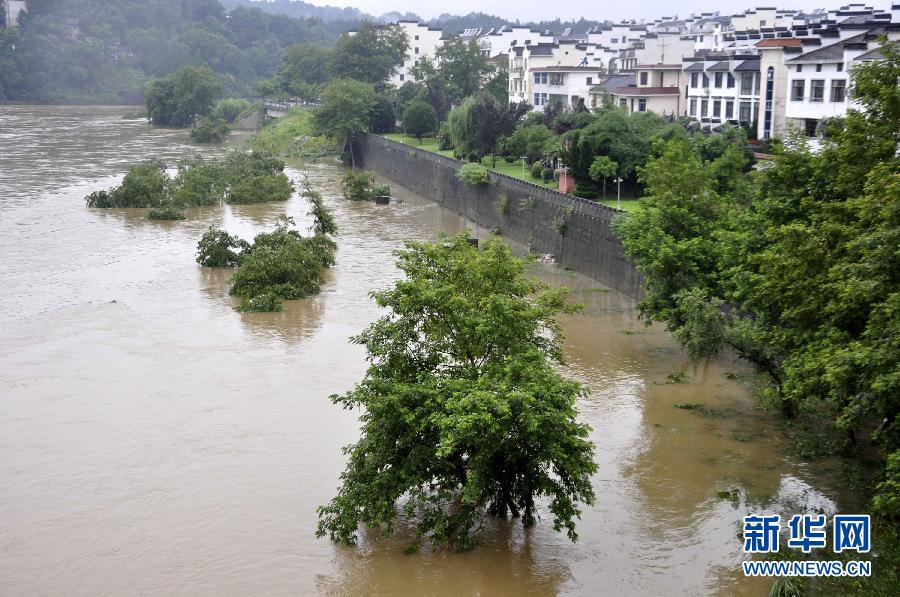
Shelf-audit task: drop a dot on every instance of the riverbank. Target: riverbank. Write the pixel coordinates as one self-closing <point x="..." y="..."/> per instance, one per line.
<point x="513" y="169"/>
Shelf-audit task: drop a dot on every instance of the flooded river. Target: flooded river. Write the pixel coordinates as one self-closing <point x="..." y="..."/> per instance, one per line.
<point x="155" y="441"/>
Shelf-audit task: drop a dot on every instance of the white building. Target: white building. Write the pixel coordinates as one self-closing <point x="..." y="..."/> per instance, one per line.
<point x="657" y="88"/>
<point x="566" y="85"/>
<point x="423" y="42"/>
<point x="722" y="88"/>
<point x="13" y="10"/>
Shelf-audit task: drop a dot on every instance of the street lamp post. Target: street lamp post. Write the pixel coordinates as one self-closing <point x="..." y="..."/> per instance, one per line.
<point x="618" y="192"/>
<point x="523" y="166"/>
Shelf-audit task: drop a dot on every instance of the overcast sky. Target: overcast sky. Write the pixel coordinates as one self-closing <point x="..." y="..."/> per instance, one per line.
<point x="535" y="10"/>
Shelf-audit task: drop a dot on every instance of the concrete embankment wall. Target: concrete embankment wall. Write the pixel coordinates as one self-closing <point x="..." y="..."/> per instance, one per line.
<point x="576" y="231"/>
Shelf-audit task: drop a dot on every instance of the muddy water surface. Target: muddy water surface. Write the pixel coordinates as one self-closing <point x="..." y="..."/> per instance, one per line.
<point x="155" y="441"/>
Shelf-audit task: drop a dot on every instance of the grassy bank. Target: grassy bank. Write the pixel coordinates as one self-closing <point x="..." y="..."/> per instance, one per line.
<point x="292" y="136"/>
<point x="513" y="169"/>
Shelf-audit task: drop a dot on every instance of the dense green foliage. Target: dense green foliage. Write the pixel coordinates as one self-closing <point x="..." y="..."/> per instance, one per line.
<point x="241" y="177"/>
<point x="92" y="51"/>
<point x="419" y="119"/>
<point x="474" y="174"/>
<point x="533" y="141"/>
<point x="371" y="55"/>
<point x="177" y="100"/>
<point x="624" y="138"/>
<point x="144" y="185"/>
<point x="210" y="131"/>
<point x="217" y="248"/>
<point x="345" y="111"/>
<point x="229" y="109"/>
<point x="259" y="189"/>
<point x="361" y="186"/>
<point x="278" y="265"/>
<point x="463" y="410"/>
<point x="477" y="125"/>
<point x="165" y="213"/>
<point x="796" y="270"/>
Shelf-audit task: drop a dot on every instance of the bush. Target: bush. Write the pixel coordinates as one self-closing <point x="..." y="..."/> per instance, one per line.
<point x="474" y="174"/>
<point x="443" y="135"/>
<point x="217" y="248"/>
<point x="361" y="186"/>
<point x="419" y="119"/>
<point x="229" y="109"/>
<point x="165" y="213"/>
<point x="267" y="302"/>
<point x="198" y="182"/>
<point x="260" y="189"/>
<point x="210" y="131"/>
<point x="536" y="169"/>
<point x="145" y="185"/>
<point x="546" y="174"/>
<point x="284" y="263"/>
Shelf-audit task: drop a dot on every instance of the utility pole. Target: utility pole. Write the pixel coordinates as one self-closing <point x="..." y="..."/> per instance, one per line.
<point x="619" y="192"/>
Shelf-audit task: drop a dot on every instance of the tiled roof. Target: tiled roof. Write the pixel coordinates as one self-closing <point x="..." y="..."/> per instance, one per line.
<point x="719" y="66"/>
<point x="697" y="67"/>
<point x="779" y="43"/>
<point x="660" y="66"/>
<point x="560" y="69"/>
<point x="647" y="91"/>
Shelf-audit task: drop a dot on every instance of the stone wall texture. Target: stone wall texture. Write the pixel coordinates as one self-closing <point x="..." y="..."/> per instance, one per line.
<point x="576" y="231"/>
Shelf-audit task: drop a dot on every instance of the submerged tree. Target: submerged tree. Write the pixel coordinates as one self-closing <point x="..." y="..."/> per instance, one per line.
<point x="464" y="412"/>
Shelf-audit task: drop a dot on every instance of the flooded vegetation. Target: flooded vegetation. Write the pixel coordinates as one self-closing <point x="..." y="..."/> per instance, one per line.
<point x="153" y="439"/>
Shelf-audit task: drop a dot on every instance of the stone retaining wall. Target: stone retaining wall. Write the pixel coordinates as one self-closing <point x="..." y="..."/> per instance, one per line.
<point x="576" y="231"/>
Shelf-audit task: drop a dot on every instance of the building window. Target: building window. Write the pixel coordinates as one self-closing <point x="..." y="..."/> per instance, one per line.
<point x="717" y="108"/>
<point x="417" y="38"/>
<point x="840" y="66"/>
<point x="417" y="63"/>
<point x="705" y="81"/>
<point x="762" y="22"/>
<point x="643" y="78"/>
<point x="798" y="86"/>
<point x="401" y="77"/>
<point x="838" y="90"/>
<point x="694" y="78"/>
<point x="623" y="103"/>
<point x="744" y="114"/>
<point x="417" y="49"/>
<point x="730" y="82"/>
<point x="817" y="90"/>
<point x="704" y="108"/>
<point x="701" y="39"/>
<point x="746" y="83"/>
<point x="818" y="68"/>
<point x="642" y="105"/>
<point x="729" y="109"/>
<point x="693" y="107"/>
<point x="540" y="78"/>
<point x="718" y="80"/>
<point x="809" y="126"/>
<point x="799" y="68"/>
<point x="540" y="99"/>
<point x="770" y="93"/>
<point x="590" y="80"/>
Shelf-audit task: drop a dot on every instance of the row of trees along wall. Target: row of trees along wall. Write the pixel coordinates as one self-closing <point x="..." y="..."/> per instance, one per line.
<point x="576" y="231"/>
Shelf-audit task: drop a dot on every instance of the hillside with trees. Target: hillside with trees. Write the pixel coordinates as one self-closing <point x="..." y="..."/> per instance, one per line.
<point x="106" y="51"/>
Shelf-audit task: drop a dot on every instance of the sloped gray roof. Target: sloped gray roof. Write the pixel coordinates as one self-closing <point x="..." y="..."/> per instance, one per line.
<point x="832" y="52"/>
<point x="748" y="65"/>
<point x="719" y="66"/>
<point x="697" y="67"/>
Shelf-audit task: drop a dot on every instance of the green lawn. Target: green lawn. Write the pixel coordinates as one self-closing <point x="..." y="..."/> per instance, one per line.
<point x="627" y="204"/>
<point x="503" y="167"/>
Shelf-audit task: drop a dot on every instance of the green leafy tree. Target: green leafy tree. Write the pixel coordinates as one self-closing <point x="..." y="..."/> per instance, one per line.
<point x="464" y="412"/>
<point x="217" y="248"/>
<point x="180" y="98"/>
<point x="476" y="126"/>
<point x="533" y="141"/>
<point x="462" y="65"/>
<point x="260" y="189"/>
<point x="372" y="54"/>
<point x="800" y="278"/>
<point x="144" y="185"/>
<point x="419" y="120"/>
<point x="382" y="118"/>
<point x="229" y="109"/>
<point x="602" y="168"/>
<point x="345" y="111"/>
<point x="210" y="131"/>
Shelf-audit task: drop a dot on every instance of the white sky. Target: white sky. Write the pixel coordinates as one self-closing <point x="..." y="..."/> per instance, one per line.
<point x="527" y="10"/>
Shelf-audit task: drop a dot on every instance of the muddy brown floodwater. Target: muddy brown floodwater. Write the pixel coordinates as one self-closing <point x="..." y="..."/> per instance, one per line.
<point x="155" y="441"/>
